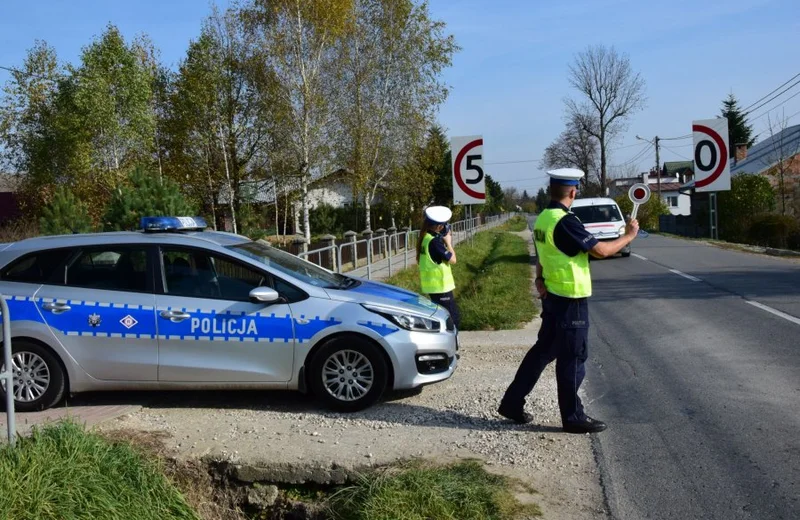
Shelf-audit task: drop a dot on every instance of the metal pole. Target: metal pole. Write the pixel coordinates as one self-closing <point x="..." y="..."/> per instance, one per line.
<point x="8" y="375"/>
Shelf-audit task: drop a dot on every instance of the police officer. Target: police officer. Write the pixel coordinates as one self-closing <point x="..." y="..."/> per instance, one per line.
<point x="564" y="284"/>
<point x="435" y="255"/>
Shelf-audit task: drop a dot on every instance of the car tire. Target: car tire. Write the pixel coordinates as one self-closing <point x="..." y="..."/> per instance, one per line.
<point x="626" y="255"/>
<point x="42" y="371"/>
<point x="343" y="393"/>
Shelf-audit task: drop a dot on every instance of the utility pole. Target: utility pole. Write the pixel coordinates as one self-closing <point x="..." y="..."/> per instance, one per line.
<point x="655" y="142"/>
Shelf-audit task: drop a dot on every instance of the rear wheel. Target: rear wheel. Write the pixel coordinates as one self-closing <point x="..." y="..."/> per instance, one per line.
<point x="39" y="380"/>
<point x="348" y="374"/>
<point x="626" y="252"/>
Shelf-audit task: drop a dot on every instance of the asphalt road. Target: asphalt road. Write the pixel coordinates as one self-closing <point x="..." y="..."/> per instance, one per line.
<point x="697" y="373"/>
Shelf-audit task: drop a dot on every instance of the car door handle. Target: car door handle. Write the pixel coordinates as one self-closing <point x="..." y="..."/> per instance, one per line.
<point x="55" y="307"/>
<point x="175" y="316"/>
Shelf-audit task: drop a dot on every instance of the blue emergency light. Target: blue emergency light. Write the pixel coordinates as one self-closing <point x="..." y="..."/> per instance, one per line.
<point x="151" y="224"/>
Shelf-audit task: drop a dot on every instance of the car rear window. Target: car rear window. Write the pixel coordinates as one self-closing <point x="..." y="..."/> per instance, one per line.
<point x="37" y="267"/>
<point x="595" y="214"/>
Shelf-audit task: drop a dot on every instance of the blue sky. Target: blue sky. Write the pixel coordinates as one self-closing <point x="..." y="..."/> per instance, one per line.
<point x="510" y="78"/>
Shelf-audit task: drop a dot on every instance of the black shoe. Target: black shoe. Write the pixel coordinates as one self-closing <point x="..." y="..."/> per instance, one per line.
<point x="518" y="416"/>
<point x="588" y="425"/>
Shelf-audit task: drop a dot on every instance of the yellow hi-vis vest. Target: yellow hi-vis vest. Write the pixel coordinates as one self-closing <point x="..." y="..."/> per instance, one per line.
<point x="566" y="276"/>
<point x="434" y="278"/>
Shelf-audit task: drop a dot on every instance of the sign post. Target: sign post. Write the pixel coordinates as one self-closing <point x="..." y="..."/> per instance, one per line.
<point x="712" y="170"/>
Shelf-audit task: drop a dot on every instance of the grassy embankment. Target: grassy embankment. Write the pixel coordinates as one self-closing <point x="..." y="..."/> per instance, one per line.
<point x="62" y="471"/>
<point x="493" y="279"/>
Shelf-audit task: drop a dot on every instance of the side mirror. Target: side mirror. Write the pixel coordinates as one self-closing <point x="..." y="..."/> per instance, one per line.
<point x="264" y="295"/>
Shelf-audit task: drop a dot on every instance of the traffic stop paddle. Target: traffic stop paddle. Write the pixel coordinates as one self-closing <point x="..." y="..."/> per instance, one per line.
<point x="639" y="194"/>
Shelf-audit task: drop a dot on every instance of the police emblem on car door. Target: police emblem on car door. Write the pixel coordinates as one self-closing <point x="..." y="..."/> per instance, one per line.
<point x="208" y="328"/>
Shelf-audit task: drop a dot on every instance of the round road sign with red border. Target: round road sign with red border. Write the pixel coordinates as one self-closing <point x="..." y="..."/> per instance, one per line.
<point x="469" y="184"/>
<point x="711" y="155"/>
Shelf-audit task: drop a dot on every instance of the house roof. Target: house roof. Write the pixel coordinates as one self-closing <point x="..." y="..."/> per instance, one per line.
<point x="673" y="167"/>
<point x="262" y="190"/>
<point x="666" y="186"/>
<point x="766" y="154"/>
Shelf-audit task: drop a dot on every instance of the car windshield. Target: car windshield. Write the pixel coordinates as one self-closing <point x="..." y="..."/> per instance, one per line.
<point x="595" y="214"/>
<point x="292" y="265"/>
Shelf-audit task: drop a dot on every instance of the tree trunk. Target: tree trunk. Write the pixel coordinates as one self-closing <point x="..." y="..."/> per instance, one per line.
<point x="231" y="193"/>
<point x="367" y="212"/>
<point x="602" y="162"/>
<point x="306" y="222"/>
<point x="277" y="215"/>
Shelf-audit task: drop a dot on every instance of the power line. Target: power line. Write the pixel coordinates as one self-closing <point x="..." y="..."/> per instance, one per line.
<point x="776" y="106"/>
<point x="511" y="162"/>
<point x="766" y="96"/>
<point x="635" y="158"/>
<point x="679" y="138"/>
<point x="676" y="153"/>
<point x="773" y="98"/>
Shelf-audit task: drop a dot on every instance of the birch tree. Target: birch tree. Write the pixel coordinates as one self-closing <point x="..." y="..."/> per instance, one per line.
<point x="390" y="65"/>
<point x="297" y="40"/>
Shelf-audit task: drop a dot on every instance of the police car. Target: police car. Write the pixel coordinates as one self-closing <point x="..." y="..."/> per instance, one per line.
<point x="177" y="306"/>
<point x="602" y="218"/>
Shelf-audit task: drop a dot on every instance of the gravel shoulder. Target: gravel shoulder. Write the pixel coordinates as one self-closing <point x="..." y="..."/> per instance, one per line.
<point x="453" y="419"/>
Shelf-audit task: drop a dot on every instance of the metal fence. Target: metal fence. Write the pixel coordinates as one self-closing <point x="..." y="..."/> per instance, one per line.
<point x="8" y="371"/>
<point x="389" y="248"/>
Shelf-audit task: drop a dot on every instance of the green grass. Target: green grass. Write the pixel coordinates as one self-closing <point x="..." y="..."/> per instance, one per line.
<point x="416" y="491"/>
<point x="517" y="224"/>
<point x="63" y="472"/>
<point x="493" y="280"/>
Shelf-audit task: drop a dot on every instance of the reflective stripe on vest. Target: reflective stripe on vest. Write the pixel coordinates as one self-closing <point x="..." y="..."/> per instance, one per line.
<point x="434" y="278"/>
<point x="566" y="276"/>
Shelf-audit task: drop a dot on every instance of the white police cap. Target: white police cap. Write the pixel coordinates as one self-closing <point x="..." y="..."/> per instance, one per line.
<point x="438" y="214"/>
<point x="566" y="176"/>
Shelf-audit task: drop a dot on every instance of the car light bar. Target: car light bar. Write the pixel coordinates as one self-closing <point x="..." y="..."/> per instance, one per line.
<point x="150" y="224"/>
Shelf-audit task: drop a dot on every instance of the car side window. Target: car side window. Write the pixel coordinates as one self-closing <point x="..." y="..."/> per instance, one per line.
<point x="38" y="267"/>
<point x="110" y="268"/>
<point x="200" y="274"/>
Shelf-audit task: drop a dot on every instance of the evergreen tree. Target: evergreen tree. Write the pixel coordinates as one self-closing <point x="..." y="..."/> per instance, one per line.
<point x="542" y="199"/>
<point x="65" y="214"/>
<point x="144" y="195"/>
<point x="738" y="130"/>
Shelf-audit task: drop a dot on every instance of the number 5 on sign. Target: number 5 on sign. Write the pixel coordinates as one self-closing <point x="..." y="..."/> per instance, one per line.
<point x="469" y="184"/>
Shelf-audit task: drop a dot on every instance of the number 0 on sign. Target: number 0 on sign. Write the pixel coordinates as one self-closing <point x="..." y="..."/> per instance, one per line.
<point x="469" y="184"/>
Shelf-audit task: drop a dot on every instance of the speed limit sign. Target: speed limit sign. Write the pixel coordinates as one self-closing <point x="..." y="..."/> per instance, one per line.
<point x="712" y="169"/>
<point x="469" y="185"/>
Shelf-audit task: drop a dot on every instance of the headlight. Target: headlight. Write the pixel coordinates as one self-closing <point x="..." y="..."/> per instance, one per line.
<point x="622" y="230"/>
<point x="406" y="320"/>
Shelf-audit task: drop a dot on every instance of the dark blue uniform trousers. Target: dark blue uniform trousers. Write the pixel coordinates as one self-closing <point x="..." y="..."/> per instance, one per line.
<point x="448" y="301"/>
<point x="563" y="338"/>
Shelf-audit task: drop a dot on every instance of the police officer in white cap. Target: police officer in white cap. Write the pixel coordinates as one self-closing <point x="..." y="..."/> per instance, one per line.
<point x="564" y="284"/>
<point x="435" y="255"/>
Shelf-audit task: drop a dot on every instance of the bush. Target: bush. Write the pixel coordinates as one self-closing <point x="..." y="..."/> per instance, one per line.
<point x="750" y="195"/>
<point x="325" y="219"/>
<point x="65" y="214"/>
<point x="772" y="230"/>
<point x="648" y="213"/>
<point x="144" y="195"/>
<point x="62" y="471"/>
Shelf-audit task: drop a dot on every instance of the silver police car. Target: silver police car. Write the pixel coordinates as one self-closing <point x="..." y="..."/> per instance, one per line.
<point x="176" y="306"/>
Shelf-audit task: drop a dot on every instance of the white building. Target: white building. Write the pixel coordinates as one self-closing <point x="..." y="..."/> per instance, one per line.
<point x="673" y="176"/>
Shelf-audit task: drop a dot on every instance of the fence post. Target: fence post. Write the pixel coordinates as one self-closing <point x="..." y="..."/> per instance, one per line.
<point x="381" y="234"/>
<point x="406" y="238"/>
<point x="298" y="245"/>
<point x="8" y="375"/>
<point x="367" y="234"/>
<point x="392" y="232"/>
<point x="349" y="238"/>
<point x="330" y="241"/>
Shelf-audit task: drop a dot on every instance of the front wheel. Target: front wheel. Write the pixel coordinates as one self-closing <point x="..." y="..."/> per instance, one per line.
<point x="348" y="374"/>
<point x="39" y="380"/>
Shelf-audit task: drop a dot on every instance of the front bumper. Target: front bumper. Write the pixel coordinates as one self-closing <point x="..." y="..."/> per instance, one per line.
<point x="423" y="358"/>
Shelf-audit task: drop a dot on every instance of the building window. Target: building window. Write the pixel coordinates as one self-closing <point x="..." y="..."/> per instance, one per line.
<point x="672" y="202"/>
